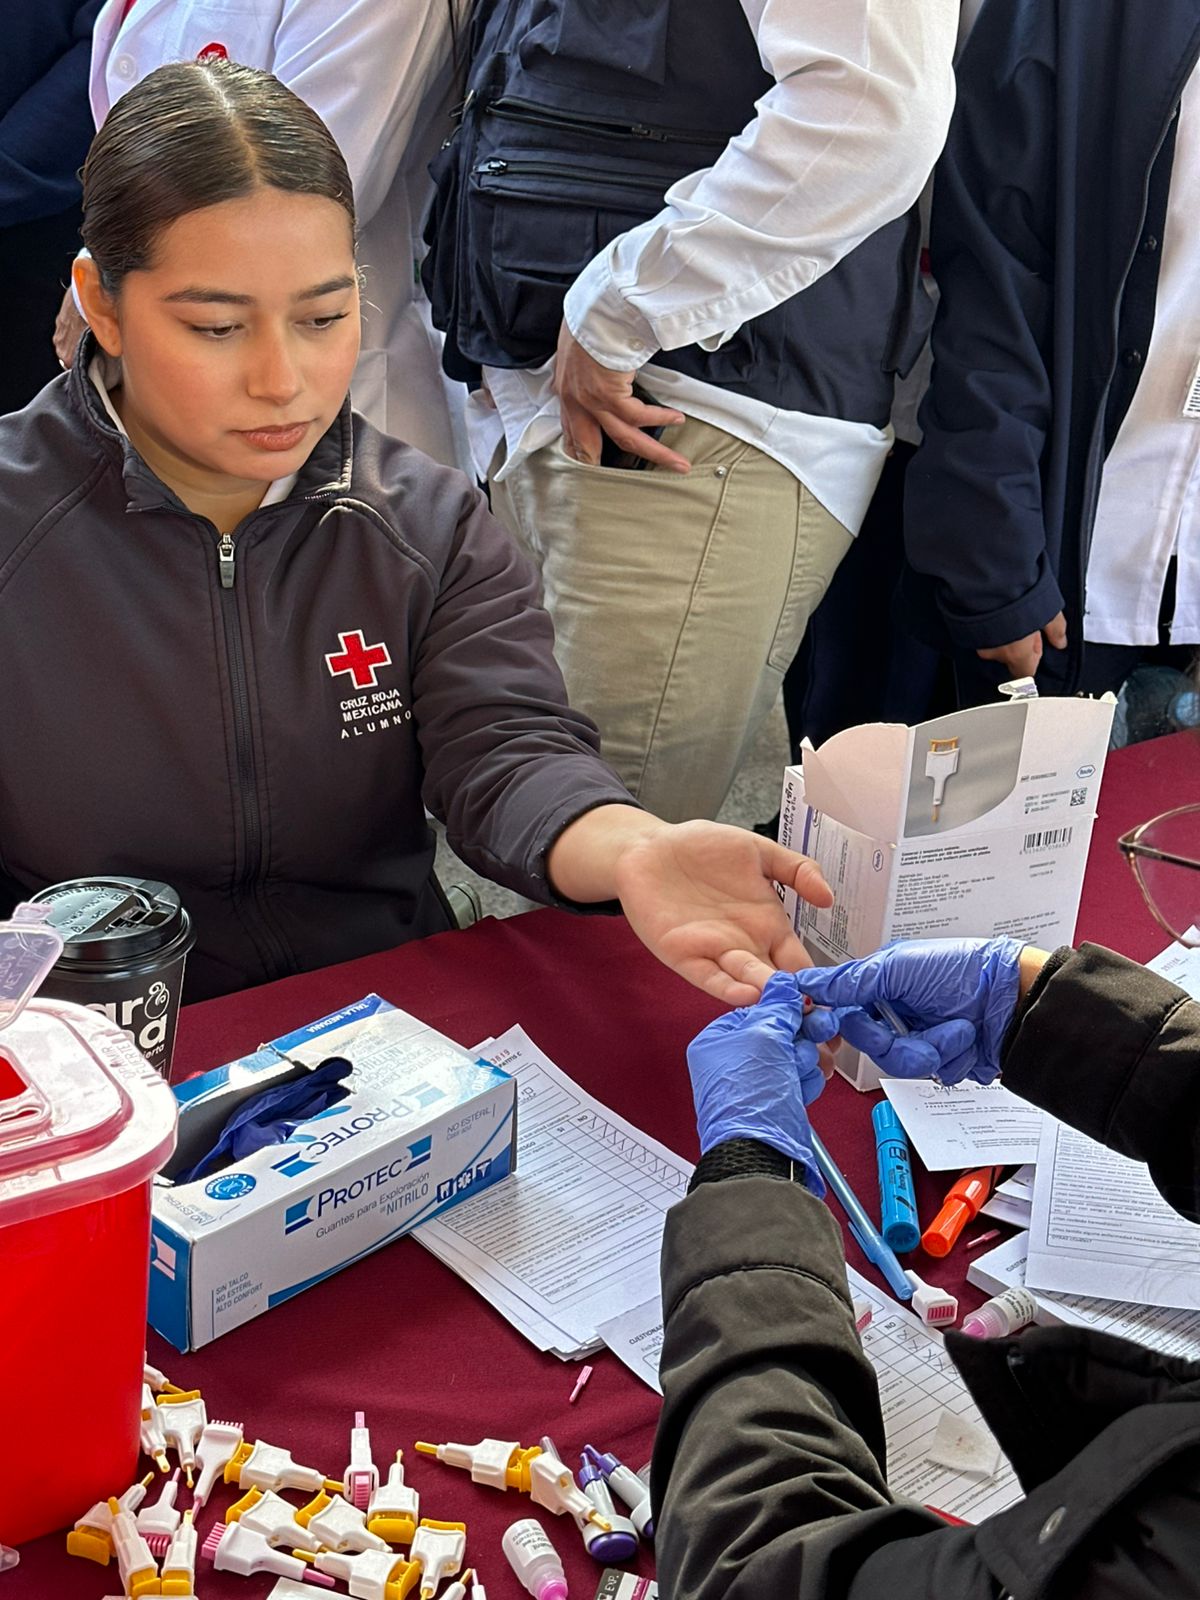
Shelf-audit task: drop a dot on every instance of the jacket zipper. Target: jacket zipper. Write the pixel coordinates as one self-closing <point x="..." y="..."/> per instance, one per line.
<point x="654" y="182"/>
<point x="275" y="958"/>
<point x="514" y="109"/>
<point x="225" y="559"/>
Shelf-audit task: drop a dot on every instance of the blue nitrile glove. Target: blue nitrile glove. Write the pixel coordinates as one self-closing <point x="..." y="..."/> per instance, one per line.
<point x="273" y="1115"/>
<point x="956" y="995"/>
<point x="753" y="1073"/>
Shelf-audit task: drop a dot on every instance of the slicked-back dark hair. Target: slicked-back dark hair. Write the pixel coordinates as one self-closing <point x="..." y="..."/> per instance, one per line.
<point x="191" y="135"/>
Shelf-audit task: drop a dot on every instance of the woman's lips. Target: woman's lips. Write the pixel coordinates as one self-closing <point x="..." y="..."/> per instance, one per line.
<point x="284" y="437"/>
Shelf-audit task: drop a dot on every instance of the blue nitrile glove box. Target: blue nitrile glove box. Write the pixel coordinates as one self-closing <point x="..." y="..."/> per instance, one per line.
<point x="425" y="1125"/>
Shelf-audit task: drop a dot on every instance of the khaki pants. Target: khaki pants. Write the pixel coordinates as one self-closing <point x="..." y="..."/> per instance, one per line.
<point x="678" y="602"/>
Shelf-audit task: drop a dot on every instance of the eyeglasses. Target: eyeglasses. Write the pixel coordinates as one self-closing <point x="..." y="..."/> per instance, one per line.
<point x="1165" y="856"/>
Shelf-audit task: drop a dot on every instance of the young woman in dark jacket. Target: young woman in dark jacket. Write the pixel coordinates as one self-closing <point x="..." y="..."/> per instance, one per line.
<point x="248" y="638"/>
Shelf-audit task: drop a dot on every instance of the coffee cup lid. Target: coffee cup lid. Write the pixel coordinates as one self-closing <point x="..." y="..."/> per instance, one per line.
<point x="112" y="919"/>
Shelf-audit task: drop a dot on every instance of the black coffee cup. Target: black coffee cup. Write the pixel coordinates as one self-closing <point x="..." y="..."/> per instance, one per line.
<point x="125" y="942"/>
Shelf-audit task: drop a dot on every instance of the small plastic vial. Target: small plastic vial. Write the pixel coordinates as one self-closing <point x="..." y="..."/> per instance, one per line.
<point x="535" y="1560"/>
<point x="1013" y="1309"/>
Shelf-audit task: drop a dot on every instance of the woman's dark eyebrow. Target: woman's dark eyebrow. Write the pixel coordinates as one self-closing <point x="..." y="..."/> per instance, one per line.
<point x="331" y="285"/>
<point x="201" y="296"/>
<point x="206" y="296"/>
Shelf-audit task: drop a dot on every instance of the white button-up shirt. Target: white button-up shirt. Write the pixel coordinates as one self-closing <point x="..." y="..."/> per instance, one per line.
<point x="841" y="144"/>
<point x="378" y="72"/>
<point x="1149" y="507"/>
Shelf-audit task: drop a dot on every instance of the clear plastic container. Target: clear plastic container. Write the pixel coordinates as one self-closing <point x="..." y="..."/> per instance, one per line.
<point x="85" y="1123"/>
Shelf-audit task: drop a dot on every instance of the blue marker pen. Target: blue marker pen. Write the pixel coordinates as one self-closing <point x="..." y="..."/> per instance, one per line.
<point x="897" y="1198"/>
<point x="870" y="1241"/>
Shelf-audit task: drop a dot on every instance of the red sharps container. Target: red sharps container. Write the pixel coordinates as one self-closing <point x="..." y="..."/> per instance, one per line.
<point x="85" y="1123"/>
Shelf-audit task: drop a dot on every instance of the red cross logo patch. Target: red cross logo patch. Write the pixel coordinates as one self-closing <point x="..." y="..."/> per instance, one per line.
<point x="215" y="51"/>
<point x="358" y="658"/>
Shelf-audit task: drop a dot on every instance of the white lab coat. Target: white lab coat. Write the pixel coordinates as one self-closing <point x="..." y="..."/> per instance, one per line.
<point x="379" y="73"/>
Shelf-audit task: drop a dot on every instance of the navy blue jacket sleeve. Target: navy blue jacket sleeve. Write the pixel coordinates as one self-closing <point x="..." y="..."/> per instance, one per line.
<point x="973" y="510"/>
<point x="45" y="116"/>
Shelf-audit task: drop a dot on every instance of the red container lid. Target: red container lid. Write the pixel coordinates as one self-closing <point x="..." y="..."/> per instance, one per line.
<point x="83" y="1115"/>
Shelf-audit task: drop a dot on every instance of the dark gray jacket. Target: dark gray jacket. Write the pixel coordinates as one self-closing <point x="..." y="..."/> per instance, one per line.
<point x="233" y="741"/>
<point x="769" y="1462"/>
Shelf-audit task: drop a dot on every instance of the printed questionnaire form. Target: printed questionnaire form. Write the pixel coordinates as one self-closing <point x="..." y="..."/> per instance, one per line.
<point x="1100" y="1227"/>
<point x="573" y="1237"/>
<point x="965" y="1124"/>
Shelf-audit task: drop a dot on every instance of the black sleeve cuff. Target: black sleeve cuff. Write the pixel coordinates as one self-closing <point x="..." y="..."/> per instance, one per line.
<point x="1063" y="953"/>
<point x="744" y="1158"/>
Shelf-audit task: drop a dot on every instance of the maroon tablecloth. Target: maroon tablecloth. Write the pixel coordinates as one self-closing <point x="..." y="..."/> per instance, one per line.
<point x="398" y="1335"/>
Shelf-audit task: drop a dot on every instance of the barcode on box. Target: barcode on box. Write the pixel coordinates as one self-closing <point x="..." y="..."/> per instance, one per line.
<point x="1048" y="839"/>
<point x="1079" y="797"/>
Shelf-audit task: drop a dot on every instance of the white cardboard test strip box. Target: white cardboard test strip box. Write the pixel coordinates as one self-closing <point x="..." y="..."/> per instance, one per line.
<point x="1003" y="852"/>
<point x="425" y="1126"/>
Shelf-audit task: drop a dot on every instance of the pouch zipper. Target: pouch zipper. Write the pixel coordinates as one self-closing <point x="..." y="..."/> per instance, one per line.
<point x="656" y="182"/>
<point x="516" y="109"/>
<point x="458" y="117"/>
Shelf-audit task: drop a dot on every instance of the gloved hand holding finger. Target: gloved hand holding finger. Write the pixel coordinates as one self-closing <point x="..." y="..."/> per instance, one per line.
<point x="753" y="1073"/>
<point x="819" y="1025"/>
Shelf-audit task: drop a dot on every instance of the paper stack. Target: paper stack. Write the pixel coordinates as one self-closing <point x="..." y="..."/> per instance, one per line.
<point x="1012" y="1201"/>
<point x="572" y="1238"/>
<point x="1099" y="1227"/>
